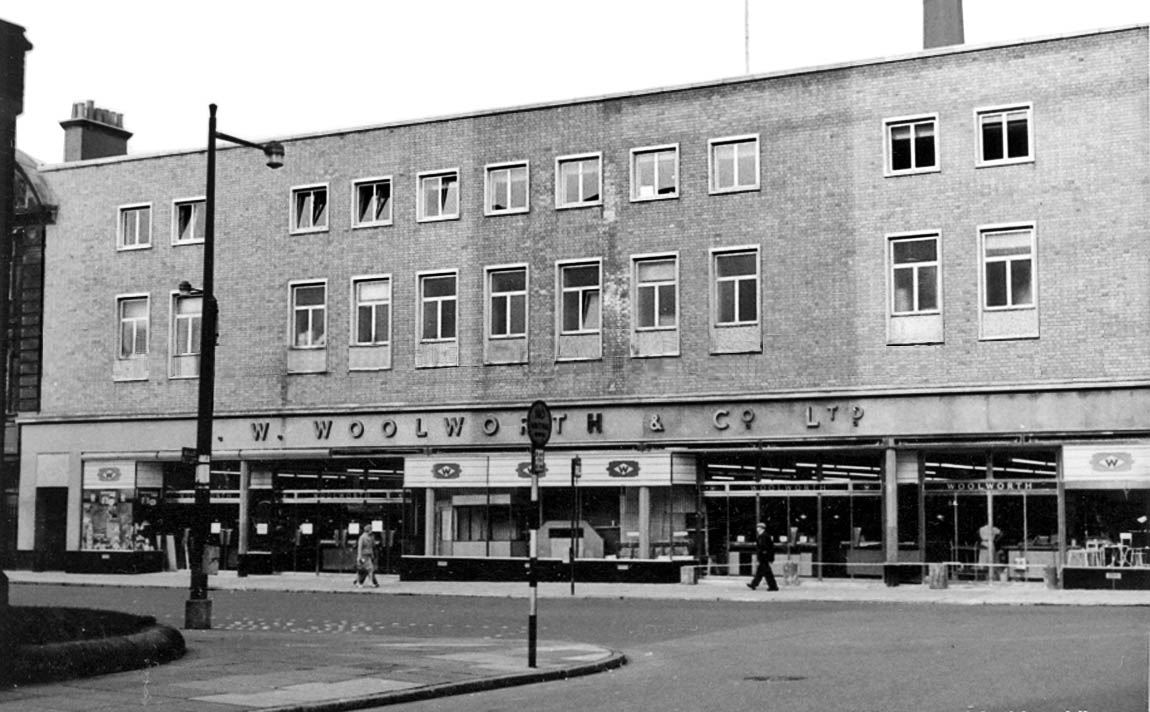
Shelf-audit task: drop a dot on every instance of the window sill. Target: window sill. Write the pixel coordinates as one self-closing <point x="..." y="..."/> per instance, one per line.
<point x="308" y="231"/>
<point x="912" y="172"/>
<point x="575" y="206"/>
<point x="512" y="211"/>
<point x="736" y="189"/>
<point x="654" y="198"/>
<point x="1004" y="162"/>
<point x="132" y="248"/>
<point x="440" y="218"/>
<point x="364" y="226"/>
<point x="181" y="243"/>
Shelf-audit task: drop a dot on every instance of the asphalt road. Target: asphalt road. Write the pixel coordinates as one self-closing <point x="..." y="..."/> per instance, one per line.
<point x="690" y="656"/>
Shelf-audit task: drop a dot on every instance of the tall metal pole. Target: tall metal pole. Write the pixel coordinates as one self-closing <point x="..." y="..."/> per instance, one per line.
<point x="533" y="561"/>
<point x="576" y="466"/>
<point x="198" y="609"/>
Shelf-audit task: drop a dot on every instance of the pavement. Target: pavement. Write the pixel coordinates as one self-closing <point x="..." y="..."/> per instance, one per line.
<point x="244" y="669"/>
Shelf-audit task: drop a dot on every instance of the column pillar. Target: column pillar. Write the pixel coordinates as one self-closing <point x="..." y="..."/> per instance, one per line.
<point x="244" y="524"/>
<point x="429" y="523"/>
<point x="644" y="523"/>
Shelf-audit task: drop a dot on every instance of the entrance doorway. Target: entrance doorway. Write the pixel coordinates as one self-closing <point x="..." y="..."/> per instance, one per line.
<point x="51" y="528"/>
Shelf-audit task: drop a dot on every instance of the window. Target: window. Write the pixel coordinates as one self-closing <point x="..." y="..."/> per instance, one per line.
<point x="734" y="164"/>
<point x="655" y="173"/>
<point x="187" y="320"/>
<point x="309" y="208"/>
<point x="508" y="308"/>
<point x="1008" y="259"/>
<point x="372" y="311"/>
<point x="438" y="196"/>
<point x="911" y="145"/>
<point x="736" y="287"/>
<point x="133" y="317"/>
<point x="506" y="189"/>
<point x="656" y="290"/>
<point x="135" y="227"/>
<point x="309" y="315"/>
<point x="188" y="221"/>
<point x="914" y="278"/>
<point x="578" y="181"/>
<point x="580" y="292"/>
<point x="1004" y="135"/>
<point x="437" y="295"/>
<point x="372" y="202"/>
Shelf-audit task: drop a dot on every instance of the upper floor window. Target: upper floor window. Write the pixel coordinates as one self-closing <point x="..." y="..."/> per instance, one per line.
<point x="737" y="287"/>
<point x="309" y="208"/>
<point x="911" y="145"/>
<point x="133" y="318"/>
<point x="508" y="307"/>
<point x="1008" y="260"/>
<point x="655" y="172"/>
<point x="734" y="163"/>
<point x="372" y="311"/>
<point x="580" y="298"/>
<point x="309" y="315"/>
<point x="506" y="189"/>
<point x="372" y="202"/>
<point x="915" y="274"/>
<point x="187" y="317"/>
<point x="437" y="300"/>
<point x="578" y="180"/>
<point x="438" y="196"/>
<point x="188" y="221"/>
<point x="135" y="228"/>
<point x="1005" y="135"/>
<point x="656" y="293"/>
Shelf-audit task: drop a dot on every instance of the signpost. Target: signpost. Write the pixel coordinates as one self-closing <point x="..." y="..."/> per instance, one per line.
<point x="539" y="432"/>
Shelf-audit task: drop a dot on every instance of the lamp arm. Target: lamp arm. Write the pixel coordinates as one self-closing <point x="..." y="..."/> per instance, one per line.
<point x="240" y="141"/>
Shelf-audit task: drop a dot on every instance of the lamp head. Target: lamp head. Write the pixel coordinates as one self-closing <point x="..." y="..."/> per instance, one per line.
<point x="184" y="287"/>
<point x="275" y="153"/>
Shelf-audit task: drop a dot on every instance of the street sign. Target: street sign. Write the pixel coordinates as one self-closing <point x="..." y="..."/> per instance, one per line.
<point x="189" y="455"/>
<point x="539" y="423"/>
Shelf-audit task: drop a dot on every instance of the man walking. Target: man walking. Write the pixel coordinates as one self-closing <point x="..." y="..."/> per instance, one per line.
<point x="764" y="554"/>
<point x="365" y="556"/>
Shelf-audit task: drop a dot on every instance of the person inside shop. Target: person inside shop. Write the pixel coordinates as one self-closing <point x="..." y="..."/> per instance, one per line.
<point x="365" y="556"/>
<point x="988" y="536"/>
<point x="764" y="555"/>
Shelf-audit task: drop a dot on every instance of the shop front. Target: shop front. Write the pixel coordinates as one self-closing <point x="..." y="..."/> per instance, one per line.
<point x="119" y="504"/>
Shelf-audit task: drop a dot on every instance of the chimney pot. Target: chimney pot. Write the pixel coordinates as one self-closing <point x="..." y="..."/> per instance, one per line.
<point x="941" y="23"/>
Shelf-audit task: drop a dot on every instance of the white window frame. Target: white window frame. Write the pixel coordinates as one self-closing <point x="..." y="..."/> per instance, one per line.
<point x="121" y="213"/>
<point x="983" y="262"/>
<point x="355" y="212"/>
<point x="916" y="269"/>
<point x="146" y="320"/>
<point x="561" y="293"/>
<point x="716" y="253"/>
<point x="201" y="214"/>
<point x="310" y="188"/>
<point x="489" y="274"/>
<point x="181" y="323"/>
<point x="1004" y="109"/>
<point x="559" y="185"/>
<point x="637" y="286"/>
<point x="489" y="170"/>
<point x="421" y="216"/>
<point x="636" y="153"/>
<point x="353" y="332"/>
<point x="712" y="144"/>
<point x="293" y="308"/>
<point x="420" y="281"/>
<point x="888" y="145"/>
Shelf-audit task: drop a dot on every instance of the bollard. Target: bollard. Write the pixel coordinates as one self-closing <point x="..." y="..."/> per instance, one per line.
<point x="939" y="578"/>
<point x="689" y="575"/>
<point x="1050" y="574"/>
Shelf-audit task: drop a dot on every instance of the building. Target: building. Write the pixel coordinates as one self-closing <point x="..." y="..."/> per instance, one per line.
<point x="882" y="305"/>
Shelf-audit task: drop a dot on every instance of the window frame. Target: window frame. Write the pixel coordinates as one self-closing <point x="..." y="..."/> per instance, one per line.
<point x="1003" y="109"/>
<point x="294" y="227"/>
<point x="888" y="145"/>
<point x="560" y="294"/>
<point x="488" y="170"/>
<point x="718" y="252"/>
<point x="488" y="274"/>
<point x="356" y="183"/>
<point x="293" y="285"/>
<point x="983" y="262"/>
<point x="176" y="205"/>
<point x="175" y="327"/>
<point x="121" y="212"/>
<point x="353" y="331"/>
<point x="420" y="177"/>
<point x="121" y="301"/>
<point x="654" y="150"/>
<point x="712" y="188"/>
<point x="597" y="156"/>
<point x="420" y="281"/>
<point x="636" y="286"/>
<point x="891" y="239"/>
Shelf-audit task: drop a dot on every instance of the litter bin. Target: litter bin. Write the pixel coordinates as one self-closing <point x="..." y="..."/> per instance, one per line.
<point x="1050" y="574"/>
<point x="688" y="575"/>
<point x="939" y="576"/>
<point x="890" y="574"/>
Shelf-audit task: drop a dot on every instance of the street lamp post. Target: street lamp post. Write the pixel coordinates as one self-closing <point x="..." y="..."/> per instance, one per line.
<point x="198" y="609"/>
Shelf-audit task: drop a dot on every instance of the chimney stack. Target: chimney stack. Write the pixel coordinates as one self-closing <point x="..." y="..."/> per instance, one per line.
<point x="941" y="23"/>
<point x="93" y="132"/>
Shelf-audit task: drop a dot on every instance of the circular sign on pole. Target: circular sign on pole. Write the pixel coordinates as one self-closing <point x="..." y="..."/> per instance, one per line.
<point x="539" y="423"/>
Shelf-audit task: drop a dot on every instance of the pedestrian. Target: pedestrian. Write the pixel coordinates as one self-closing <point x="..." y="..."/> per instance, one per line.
<point x="365" y="556"/>
<point x="764" y="555"/>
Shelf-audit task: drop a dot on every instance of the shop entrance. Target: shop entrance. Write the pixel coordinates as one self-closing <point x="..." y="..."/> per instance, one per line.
<point x="51" y="527"/>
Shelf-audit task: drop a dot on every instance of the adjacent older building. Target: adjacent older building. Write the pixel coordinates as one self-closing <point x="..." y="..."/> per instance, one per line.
<point x="887" y="306"/>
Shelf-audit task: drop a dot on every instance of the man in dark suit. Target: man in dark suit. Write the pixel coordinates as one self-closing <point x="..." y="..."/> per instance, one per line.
<point x="765" y="554"/>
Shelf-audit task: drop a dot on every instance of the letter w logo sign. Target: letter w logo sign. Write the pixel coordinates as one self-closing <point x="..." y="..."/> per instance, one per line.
<point x="454" y="426"/>
<point x="322" y="429"/>
<point x="260" y="431"/>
